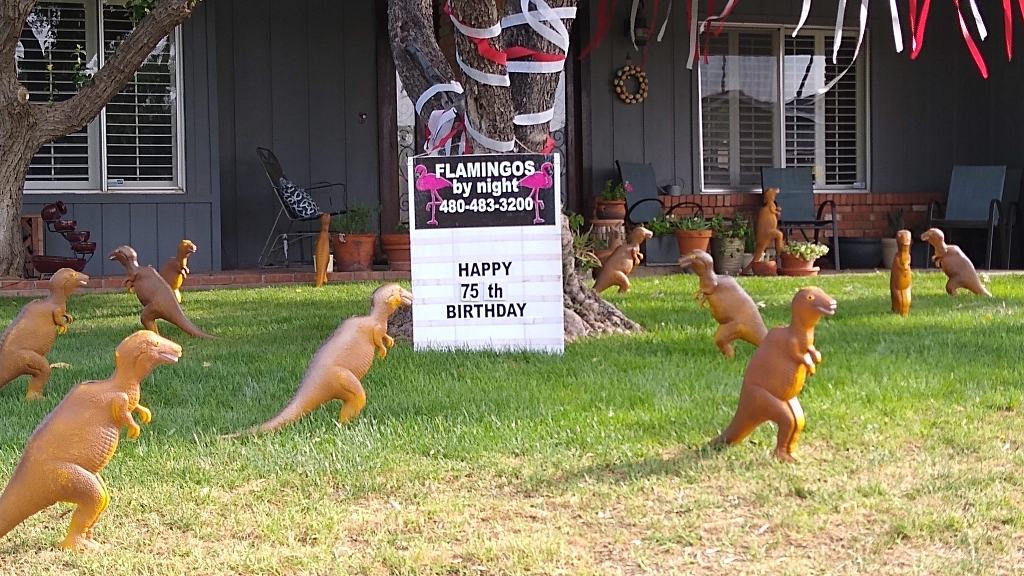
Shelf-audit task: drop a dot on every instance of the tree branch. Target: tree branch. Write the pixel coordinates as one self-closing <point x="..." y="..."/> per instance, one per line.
<point x="418" y="59"/>
<point x="72" y="114"/>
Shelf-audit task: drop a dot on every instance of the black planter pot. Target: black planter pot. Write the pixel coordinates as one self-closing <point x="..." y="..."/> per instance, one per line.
<point x="661" y="250"/>
<point x="859" y="252"/>
<point x="919" y="253"/>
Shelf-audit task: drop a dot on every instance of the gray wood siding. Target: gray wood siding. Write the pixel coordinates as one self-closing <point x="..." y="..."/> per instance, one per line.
<point x="154" y="224"/>
<point x="925" y="115"/>
<point x="298" y="77"/>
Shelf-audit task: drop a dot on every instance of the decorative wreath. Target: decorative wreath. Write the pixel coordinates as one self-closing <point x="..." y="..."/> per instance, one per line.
<point x="622" y="88"/>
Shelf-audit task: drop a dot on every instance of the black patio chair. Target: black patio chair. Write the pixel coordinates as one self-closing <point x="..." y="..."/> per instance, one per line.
<point x="981" y="198"/>
<point x="642" y="204"/>
<point x="796" y="198"/>
<point x="297" y="206"/>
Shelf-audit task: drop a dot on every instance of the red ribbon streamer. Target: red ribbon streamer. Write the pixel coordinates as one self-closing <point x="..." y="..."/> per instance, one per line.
<point x="549" y="145"/>
<point x="918" y="26"/>
<point x="1008" y="27"/>
<point x="971" y="46"/>
<point x="603" y="23"/>
<point x="517" y="52"/>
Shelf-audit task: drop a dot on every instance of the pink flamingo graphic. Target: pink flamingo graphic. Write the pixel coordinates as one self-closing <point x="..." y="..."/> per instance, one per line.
<point x="425" y="182"/>
<point x="536" y="182"/>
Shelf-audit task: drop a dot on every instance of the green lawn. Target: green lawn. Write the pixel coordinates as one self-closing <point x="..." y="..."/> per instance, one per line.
<point x="463" y="463"/>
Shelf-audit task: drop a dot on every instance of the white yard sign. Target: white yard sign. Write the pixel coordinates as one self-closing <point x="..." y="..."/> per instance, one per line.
<point x="487" y="252"/>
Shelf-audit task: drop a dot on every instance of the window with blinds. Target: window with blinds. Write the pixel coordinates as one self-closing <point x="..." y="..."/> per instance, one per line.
<point x="136" y="144"/>
<point x="749" y="120"/>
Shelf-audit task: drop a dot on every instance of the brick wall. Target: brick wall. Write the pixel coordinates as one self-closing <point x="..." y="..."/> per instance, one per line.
<point x="859" y="215"/>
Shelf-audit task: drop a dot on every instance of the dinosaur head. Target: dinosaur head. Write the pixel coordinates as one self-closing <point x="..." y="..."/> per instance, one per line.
<point x="934" y="236"/>
<point x="186" y="248"/>
<point x="126" y="255"/>
<point x="768" y="196"/>
<point x="67" y="281"/>
<point x="903" y="238"/>
<point x="699" y="260"/>
<point x="390" y="297"/>
<point x="810" y="304"/>
<point x="639" y="234"/>
<point x="140" y="353"/>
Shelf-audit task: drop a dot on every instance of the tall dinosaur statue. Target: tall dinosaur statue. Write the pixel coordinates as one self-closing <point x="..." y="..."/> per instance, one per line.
<point x="775" y="376"/>
<point x="175" y="269"/>
<point x="734" y="309"/>
<point x="767" y="230"/>
<point x="65" y="455"/>
<point x="954" y="263"/>
<point x="28" y="339"/>
<point x="900" y="275"/>
<point x="154" y="293"/>
<point x="323" y="250"/>
<point x="615" y="270"/>
<point x="337" y="368"/>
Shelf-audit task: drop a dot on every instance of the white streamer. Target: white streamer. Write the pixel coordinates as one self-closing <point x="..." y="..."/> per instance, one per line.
<point x="534" y="118"/>
<point x="838" y="36"/>
<point x="491" y="143"/>
<point x="439" y="124"/>
<point x="554" y="31"/>
<point x="978" y="21"/>
<point x="435" y="90"/>
<point x="664" y="25"/>
<point x="897" y="32"/>
<point x="725" y="12"/>
<point x="805" y="11"/>
<point x="519" y="18"/>
<point x="481" y="76"/>
<point x="856" y="51"/>
<point x="529" y="67"/>
<point x="632" y="23"/>
<point x="693" y="34"/>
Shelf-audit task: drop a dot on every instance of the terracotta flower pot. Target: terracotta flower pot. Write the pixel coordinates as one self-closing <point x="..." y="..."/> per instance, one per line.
<point x="611" y="209"/>
<point x="690" y="240"/>
<point x="396" y="246"/>
<point x="353" y="252"/>
<point x="764" y="268"/>
<point x="793" y="266"/>
<point x="889" y="250"/>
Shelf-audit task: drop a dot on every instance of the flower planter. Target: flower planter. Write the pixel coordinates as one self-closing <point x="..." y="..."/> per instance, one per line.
<point x="764" y="267"/>
<point x="661" y="249"/>
<point x="728" y="255"/>
<point x="793" y="266"/>
<point x="353" y="252"/>
<point x="396" y="246"/>
<point x="889" y="250"/>
<point x="690" y="240"/>
<point x="611" y="209"/>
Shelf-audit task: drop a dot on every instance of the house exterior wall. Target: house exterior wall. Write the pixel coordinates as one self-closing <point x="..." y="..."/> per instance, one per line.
<point x="300" y="78"/>
<point x="154" y="223"/>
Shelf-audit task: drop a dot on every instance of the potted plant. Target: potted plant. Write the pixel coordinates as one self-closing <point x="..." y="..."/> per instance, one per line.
<point x="692" y="233"/>
<point x="584" y="246"/>
<point x="352" y="240"/>
<point x="662" y="248"/>
<point x="396" y="246"/>
<point x="798" y="258"/>
<point x="889" y="247"/>
<point x="611" y="204"/>
<point x="727" y="243"/>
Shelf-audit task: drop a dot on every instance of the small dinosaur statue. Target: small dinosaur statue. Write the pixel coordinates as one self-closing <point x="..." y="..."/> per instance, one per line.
<point x="767" y="230"/>
<point x="734" y="309"/>
<point x="342" y="361"/>
<point x="27" y="341"/>
<point x="615" y="270"/>
<point x="65" y="455"/>
<point x="154" y="293"/>
<point x="323" y="250"/>
<point x="900" y="277"/>
<point x="775" y="376"/>
<point x="175" y="269"/>
<point x="954" y="263"/>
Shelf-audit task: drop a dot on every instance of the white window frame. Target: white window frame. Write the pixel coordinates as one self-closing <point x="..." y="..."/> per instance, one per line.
<point x="97" y="128"/>
<point x="863" y="104"/>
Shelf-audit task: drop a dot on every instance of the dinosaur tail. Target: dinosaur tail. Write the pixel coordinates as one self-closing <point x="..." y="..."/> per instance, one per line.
<point x="186" y="325"/>
<point x="17" y="504"/>
<point x="307" y="399"/>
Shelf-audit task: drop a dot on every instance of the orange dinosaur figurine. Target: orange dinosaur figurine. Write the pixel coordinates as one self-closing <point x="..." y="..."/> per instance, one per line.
<point x="342" y="361"/>
<point x="323" y="250"/>
<point x="767" y="230"/>
<point x="27" y="341"/>
<point x="954" y="263"/>
<point x="734" y="309"/>
<point x="900" y="277"/>
<point x="775" y="376"/>
<point x="175" y="269"/>
<point x="65" y="455"/>
<point x="615" y="270"/>
<point x="154" y="293"/>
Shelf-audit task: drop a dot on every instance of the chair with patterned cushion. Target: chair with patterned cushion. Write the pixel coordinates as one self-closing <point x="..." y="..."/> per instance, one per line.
<point x="297" y="206"/>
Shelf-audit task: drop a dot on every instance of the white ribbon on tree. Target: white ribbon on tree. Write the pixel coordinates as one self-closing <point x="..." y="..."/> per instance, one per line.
<point x="534" y="118"/>
<point x="519" y="18"/>
<point x="489" y="32"/>
<point x="548" y="25"/>
<point x="434" y="90"/>
<point x="547" y="22"/>
<point x="481" y="76"/>
<point x="488" y="142"/>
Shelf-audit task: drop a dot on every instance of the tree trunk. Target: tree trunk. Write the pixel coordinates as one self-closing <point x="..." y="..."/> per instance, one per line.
<point x="15" y="140"/>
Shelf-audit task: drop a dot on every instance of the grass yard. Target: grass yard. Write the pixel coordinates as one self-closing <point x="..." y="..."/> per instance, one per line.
<point x="911" y="462"/>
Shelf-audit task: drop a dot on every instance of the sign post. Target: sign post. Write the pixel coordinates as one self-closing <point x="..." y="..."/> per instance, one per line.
<point x="487" y="252"/>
